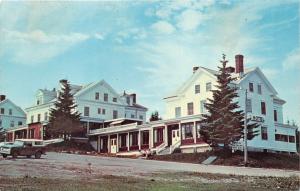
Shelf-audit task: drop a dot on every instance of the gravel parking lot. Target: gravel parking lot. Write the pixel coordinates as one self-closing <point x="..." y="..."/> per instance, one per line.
<point x="68" y="166"/>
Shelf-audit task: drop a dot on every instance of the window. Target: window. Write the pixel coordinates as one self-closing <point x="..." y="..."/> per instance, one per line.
<point x="38" y="102"/>
<point x="10" y="111"/>
<point x="202" y="106"/>
<point x="259" y="89"/>
<point x="283" y="138"/>
<point x="115" y="114"/>
<point x="99" y="110"/>
<point x="2" y="110"/>
<point x="97" y="95"/>
<point x="263" y="108"/>
<point x="197" y="89"/>
<point x="275" y="115"/>
<point x="103" y="111"/>
<point x="145" y="137"/>
<point x="105" y="97"/>
<point x="39" y="117"/>
<point x="187" y="130"/>
<point x="249" y="105"/>
<point x="46" y="116"/>
<point x="190" y="108"/>
<point x="0" y="123"/>
<point x="114" y="99"/>
<point x="12" y="123"/>
<point x="251" y="89"/>
<point x="264" y="133"/>
<point x="32" y="119"/>
<point x="291" y="139"/>
<point x="20" y="123"/>
<point x="178" y="112"/>
<point x="208" y="86"/>
<point x="141" y="117"/>
<point x="86" y="111"/>
<point x="128" y="100"/>
<point x="132" y="116"/>
<point x="134" y="139"/>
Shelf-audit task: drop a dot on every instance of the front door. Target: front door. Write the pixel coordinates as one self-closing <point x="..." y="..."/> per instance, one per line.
<point x="175" y="136"/>
<point x="113" y="146"/>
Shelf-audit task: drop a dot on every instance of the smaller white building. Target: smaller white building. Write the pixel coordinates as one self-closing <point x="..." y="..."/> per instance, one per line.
<point x="11" y="115"/>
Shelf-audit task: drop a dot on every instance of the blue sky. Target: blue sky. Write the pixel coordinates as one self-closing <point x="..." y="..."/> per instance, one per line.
<point x="147" y="47"/>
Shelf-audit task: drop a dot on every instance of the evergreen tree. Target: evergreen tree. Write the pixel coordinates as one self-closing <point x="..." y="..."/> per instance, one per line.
<point x="224" y="122"/>
<point x="2" y="134"/>
<point x="64" y="120"/>
<point x="155" y="116"/>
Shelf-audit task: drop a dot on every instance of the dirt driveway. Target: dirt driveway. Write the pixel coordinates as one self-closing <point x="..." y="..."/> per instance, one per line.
<point x="68" y="166"/>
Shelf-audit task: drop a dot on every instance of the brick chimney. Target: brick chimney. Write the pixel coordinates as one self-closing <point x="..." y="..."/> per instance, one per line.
<point x="195" y="68"/>
<point x="133" y="98"/>
<point x="239" y="64"/>
<point x="2" y="97"/>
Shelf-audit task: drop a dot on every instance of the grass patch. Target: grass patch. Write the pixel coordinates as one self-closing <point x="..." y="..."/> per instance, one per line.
<point x="156" y="182"/>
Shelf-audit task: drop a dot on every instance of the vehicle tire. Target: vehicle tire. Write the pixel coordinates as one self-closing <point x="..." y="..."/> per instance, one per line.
<point x="38" y="155"/>
<point x="14" y="155"/>
<point x="28" y="156"/>
<point x="4" y="155"/>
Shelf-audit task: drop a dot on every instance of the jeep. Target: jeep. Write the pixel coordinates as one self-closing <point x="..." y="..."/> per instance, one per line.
<point x="24" y="147"/>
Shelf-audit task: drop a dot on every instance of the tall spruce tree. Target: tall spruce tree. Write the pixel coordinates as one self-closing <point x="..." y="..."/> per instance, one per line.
<point x="224" y="122"/>
<point x="64" y="120"/>
<point x="155" y="116"/>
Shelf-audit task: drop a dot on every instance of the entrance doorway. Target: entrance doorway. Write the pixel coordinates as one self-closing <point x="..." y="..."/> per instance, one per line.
<point x="175" y="136"/>
<point x="113" y="146"/>
<point x="170" y="132"/>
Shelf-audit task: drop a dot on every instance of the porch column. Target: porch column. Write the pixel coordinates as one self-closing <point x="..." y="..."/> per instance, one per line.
<point x="195" y="132"/>
<point x="98" y="144"/>
<point x="27" y="133"/>
<point x="180" y="132"/>
<point x="139" y="140"/>
<point x="88" y="127"/>
<point x="151" y="131"/>
<point x="13" y="136"/>
<point x="117" y="142"/>
<point x="166" y="135"/>
<point x="108" y="143"/>
<point x="128" y="141"/>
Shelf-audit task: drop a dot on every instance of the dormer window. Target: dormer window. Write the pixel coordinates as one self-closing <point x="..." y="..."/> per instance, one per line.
<point x="251" y="89"/>
<point x="106" y="97"/>
<point x="114" y="99"/>
<point x="97" y="95"/>
<point x="38" y="102"/>
<point x="259" y="89"/>
<point x="208" y="86"/>
<point x="197" y="89"/>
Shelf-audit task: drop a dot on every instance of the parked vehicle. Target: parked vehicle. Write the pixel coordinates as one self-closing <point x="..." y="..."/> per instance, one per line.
<point x="23" y="147"/>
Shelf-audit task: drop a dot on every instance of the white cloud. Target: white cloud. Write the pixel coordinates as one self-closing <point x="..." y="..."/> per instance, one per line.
<point x="37" y="46"/>
<point x="163" y="27"/>
<point x="292" y="61"/>
<point x="190" y="20"/>
<point x="99" y="36"/>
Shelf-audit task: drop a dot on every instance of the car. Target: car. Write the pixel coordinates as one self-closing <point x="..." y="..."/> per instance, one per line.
<point x="23" y="147"/>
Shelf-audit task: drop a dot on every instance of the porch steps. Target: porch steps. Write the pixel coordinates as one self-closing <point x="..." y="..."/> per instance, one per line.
<point x="166" y="151"/>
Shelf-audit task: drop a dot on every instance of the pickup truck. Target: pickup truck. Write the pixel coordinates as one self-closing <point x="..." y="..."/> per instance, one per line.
<point x="23" y="147"/>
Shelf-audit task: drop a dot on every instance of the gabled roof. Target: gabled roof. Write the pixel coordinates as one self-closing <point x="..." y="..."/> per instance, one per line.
<point x="17" y="107"/>
<point x="212" y="73"/>
<point x="92" y="85"/>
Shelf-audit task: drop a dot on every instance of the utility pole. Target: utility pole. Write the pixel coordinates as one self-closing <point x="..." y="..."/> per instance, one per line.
<point x="245" y="131"/>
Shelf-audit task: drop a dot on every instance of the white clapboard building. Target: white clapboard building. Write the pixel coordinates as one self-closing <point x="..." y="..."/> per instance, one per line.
<point x="184" y="108"/>
<point x="98" y="103"/>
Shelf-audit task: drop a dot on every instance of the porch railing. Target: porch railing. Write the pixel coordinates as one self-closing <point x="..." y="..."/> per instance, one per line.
<point x="161" y="147"/>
